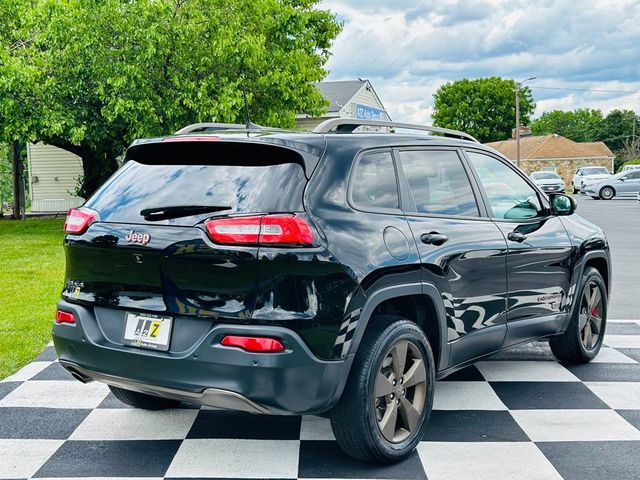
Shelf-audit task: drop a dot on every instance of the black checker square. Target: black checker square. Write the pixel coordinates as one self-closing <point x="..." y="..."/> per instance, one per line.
<point x="546" y="395"/>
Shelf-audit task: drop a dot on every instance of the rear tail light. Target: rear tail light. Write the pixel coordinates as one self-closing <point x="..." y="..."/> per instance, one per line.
<point x="65" y="317"/>
<point x="261" y="230"/>
<point x="78" y="220"/>
<point x="253" y="344"/>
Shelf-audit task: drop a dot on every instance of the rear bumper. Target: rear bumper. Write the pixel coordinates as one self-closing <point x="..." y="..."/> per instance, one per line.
<point x="292" y="382"/>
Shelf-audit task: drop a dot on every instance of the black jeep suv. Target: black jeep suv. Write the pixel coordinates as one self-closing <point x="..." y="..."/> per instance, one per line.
<point x="329" y="272"/>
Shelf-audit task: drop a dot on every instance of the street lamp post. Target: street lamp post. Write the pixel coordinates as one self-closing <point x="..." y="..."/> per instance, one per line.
<point x="518" y="87"/>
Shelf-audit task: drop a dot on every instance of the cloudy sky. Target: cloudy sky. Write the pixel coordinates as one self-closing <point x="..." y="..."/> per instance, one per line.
<point x="409" y="48"/>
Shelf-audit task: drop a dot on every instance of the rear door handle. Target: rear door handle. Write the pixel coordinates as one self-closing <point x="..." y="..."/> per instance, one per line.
<point x="433" y="238"/>
<point x="516" y="237"/>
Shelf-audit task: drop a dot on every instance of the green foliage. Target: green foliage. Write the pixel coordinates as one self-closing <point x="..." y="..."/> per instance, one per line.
<point x="616" y="129"/>
<point x="581" y="125"/>
<point x="484" y="107"/>
<point x="31" y="276"/>
<point x="91" y="75"/>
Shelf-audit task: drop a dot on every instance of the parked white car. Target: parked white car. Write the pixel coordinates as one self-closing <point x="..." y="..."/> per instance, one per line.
<point x="586" y="176"/>
<point x="549" y="182"/>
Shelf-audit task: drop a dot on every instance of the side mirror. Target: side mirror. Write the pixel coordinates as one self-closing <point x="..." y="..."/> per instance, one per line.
<point x="562" y="204"/>
<point x="622" y="179"/>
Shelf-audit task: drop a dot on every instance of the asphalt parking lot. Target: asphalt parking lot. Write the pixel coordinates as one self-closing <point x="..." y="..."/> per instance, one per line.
<point x="620" y="220"/>
<point x="518" y="415"/>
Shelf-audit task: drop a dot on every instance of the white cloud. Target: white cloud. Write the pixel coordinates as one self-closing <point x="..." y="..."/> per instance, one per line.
<point x="408" y="49"/>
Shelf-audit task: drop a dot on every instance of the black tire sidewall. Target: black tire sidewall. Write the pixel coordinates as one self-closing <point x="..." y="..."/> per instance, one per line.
<point x="402" y="330"/>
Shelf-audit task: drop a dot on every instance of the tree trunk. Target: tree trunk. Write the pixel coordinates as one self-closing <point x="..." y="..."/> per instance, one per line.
<point x="95" y="172"/>
<point x="18" y="182"/>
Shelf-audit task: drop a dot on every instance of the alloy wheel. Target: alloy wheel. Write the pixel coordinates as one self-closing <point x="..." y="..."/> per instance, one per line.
<point x="400" y="391"/>
<point x="591" y="316"/>
<point x="607" y="193"/>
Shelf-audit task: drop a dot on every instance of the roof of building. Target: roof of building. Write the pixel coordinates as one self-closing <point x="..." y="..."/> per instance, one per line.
<point x="551" y="146"/>
<point x="339" y="93"/>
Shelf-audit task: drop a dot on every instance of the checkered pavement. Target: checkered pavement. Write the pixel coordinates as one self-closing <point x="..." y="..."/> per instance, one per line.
<point x="519" y="415"/>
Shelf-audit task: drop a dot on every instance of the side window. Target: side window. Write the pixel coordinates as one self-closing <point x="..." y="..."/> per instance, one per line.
<point x="374" y="182"/>
<point x="634" y="176"/>
<point x="509" y="196"/>
<point x="438" y="182"/>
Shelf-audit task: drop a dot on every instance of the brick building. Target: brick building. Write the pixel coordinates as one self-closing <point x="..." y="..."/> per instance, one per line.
<point x="554" y="151"/>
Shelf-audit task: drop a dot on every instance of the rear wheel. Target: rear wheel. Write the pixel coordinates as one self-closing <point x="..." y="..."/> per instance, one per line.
<point x="607" y="193"/>
<point x="583" y="339"/>
<point x="142" y="400"/>
<point x="387" y="401"/>
<point x="575" y="190"/>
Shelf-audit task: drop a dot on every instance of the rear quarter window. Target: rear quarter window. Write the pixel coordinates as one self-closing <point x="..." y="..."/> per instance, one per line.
<point x="373" y="184"/>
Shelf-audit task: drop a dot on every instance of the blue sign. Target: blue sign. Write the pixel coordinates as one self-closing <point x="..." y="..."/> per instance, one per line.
<point x="364" y="112"/>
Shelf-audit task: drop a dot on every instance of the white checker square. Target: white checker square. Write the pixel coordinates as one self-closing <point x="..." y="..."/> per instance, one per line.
<point x="466" y="396"/>
<point x="28" y="371"/>
<point x="574" y="425"/>
<point x="622" y="341"/>
<point x="316" y="428"/>
<point x="485" y="461"/>
<point x="611" y="355"/>
<point x="56" y="394"/>
<point x="618" y="395"/>
<point x="525" y="371"/>
<point x="23" y="458"/>
<point x="133" y="424"/>
<point x="229" y="458"/>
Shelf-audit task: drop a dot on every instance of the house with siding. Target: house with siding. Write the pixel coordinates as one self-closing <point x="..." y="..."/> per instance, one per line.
<point x="53" y="177"/>
<point x="347" y="99"/>
<point x="557" y="153"/>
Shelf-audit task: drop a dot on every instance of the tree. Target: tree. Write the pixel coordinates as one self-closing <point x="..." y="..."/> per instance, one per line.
<point x="484" y="107"/>
<point x="89" y="76"/>
<point x="617" y="129"/>
<point x="580" y="125"/>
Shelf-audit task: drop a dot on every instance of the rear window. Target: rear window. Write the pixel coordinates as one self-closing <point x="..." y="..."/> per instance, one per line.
<point x="235" y="188"/>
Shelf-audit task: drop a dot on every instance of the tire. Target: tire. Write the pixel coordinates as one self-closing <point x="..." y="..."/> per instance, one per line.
<point x="357" y="418"/>
<point x="142" y="400"/>
<point x="573" y="345"/>
<point x="607" y="193"/>
<point x="575" y="190"/>
<point x="596" y="198"/>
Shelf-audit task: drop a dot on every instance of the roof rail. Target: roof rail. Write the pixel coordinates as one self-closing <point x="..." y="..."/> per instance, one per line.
<point x="348" y="125"/>
<point x="216" y="126"/>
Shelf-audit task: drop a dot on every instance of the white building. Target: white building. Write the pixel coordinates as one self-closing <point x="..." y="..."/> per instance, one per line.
<point x="53" y="177"/>
<point x="347" y="99"/>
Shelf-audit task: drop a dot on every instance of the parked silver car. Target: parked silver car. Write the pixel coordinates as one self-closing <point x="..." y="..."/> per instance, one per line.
<point x="549" y="182"/>
<point x="624" y="184"/>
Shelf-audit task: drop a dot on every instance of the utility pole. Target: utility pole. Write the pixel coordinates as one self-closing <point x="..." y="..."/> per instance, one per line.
<point x="518" y="87"/>
<point x="18" y="182"/>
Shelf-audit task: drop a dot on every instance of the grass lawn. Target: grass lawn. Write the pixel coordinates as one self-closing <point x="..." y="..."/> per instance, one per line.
<point x="31" y="279"/>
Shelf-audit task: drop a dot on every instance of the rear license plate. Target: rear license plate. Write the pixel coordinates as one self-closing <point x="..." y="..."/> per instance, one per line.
<point x="148" y="331"/>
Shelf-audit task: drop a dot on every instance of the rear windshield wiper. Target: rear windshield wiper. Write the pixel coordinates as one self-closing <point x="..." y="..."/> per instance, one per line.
<point x="164" y="213"/>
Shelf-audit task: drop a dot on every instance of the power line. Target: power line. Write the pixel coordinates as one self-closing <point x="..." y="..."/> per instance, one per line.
<point x="585" y="89"/>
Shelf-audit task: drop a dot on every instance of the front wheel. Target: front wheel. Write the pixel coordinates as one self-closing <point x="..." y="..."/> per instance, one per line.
<point x="387" y="401"/>
<point x="583" y="339"/>
<point x="607" y="193"/>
